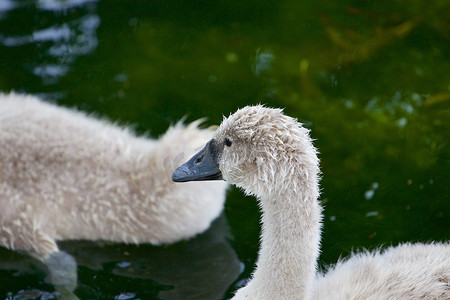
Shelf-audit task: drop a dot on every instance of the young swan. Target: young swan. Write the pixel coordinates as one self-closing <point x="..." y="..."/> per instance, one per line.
<point x="271" y="156"/>
<point x="65" y="175"/>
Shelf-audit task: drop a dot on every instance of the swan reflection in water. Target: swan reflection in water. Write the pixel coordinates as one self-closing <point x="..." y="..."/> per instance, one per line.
<point x="201" y="268"/>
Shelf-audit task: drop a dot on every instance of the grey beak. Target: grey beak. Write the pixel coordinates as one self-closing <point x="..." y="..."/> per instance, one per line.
<point x="202" y="166"/>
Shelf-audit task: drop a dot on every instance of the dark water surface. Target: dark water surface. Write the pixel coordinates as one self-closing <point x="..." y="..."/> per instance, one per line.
<point x="370" y="78"/>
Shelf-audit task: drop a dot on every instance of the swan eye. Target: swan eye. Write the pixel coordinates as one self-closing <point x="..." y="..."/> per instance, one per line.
<point x="228" y="142"/>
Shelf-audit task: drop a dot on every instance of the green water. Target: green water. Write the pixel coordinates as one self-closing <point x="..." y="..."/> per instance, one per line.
<point x="370" y="78"/>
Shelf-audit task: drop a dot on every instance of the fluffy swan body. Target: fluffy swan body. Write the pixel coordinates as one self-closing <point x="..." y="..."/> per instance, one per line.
<point x="65" y="175"/>
<point x="271" y="156"/>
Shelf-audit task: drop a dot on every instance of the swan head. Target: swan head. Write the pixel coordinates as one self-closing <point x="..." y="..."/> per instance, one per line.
<point x="257" y="148"/>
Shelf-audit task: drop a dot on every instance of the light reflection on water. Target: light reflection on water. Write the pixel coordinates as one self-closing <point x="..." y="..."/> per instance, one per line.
<point x="62" y="43"/>
<point x="5" y="6"/>
<point x="58" y="5"/>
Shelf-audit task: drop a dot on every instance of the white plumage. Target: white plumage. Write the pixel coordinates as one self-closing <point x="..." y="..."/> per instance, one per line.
<point x="271" y="156"/>
<point x="65" y="175"/>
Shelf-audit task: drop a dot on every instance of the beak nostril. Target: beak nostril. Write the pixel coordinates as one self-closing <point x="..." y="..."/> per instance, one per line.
<point x="199" y="160"/>
<point x="202" y="166"/>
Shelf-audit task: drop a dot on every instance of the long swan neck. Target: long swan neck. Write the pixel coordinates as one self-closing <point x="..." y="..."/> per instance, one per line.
<point x="290" y="241"/>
